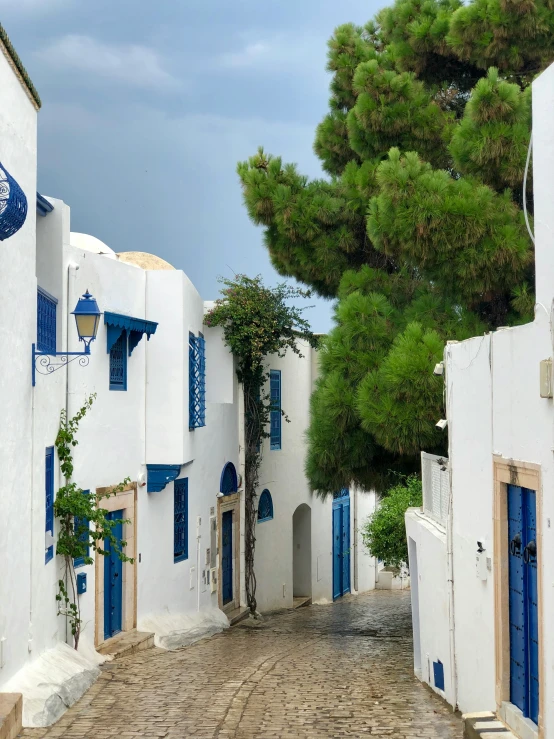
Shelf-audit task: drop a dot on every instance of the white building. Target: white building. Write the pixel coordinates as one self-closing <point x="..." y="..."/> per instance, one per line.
<point x="482" y="563"/>
<point x="167" y="416"/>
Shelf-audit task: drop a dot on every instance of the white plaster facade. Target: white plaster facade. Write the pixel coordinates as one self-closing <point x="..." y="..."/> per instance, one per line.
<point x="500" y="433"/>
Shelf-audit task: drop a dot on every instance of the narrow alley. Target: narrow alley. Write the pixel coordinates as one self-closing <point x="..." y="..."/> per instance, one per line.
<point x="340" y="670"/>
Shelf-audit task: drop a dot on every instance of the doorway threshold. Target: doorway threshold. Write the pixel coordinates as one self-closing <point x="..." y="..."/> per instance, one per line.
<point x="301" y="600"/>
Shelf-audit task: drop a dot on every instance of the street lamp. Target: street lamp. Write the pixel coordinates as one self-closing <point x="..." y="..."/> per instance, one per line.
<point x="87" y="318"/>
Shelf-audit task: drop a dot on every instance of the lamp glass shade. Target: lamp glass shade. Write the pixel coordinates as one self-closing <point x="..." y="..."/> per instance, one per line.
<point x="87" y="317"/>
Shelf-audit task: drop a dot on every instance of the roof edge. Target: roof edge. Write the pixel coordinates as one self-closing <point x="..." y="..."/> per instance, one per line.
<point x="12" y="56"/>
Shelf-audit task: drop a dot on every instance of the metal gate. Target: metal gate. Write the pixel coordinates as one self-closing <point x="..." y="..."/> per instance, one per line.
<point x="524" y="625"/>
<point x="341" y="543"/>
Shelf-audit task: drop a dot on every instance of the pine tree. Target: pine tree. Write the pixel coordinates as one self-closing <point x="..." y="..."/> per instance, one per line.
<point x="418" y="228"/>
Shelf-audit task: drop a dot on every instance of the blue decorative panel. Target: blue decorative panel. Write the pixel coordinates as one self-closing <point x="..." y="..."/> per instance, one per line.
<point x="159" y="475"/>
<point x="275" y="413"/>
<point x="46" y="322"/>
<point x="118" y="363"/>
<point x="13" y="205"/>
<point x="229" y="481"/>
<point x="265" y="506"/>
<point x="438" y="673"/>
<point x="341" y="544"/>
<point x="81" y="583"/>
<point x="344" y="493"/>
<point x="136" y="328"/>
<point x="49" y="498"/>
<point x="81" y="526"/>
<point x="181" y="520"/>
<point x="197" y="381"/>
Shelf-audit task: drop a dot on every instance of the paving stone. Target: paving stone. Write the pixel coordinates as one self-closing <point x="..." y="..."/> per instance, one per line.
<point x="340" y="670"/>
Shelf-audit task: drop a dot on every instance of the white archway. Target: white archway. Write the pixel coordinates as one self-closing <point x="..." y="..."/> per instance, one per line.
<point x="302" y="552"/>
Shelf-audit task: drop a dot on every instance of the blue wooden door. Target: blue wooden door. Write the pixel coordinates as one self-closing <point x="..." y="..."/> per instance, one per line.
<point x="113" y="581"/>
<point x="523" y="601"/>
<point x="227" y="557"/>
<point x="341" y="544"/>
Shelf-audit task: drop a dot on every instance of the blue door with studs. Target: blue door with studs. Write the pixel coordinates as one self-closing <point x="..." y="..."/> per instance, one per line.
<point x="113" y="580"/>
<point x="523" y="600"/>
<point x="227" y="557"/>
<point x="341" y="543"/>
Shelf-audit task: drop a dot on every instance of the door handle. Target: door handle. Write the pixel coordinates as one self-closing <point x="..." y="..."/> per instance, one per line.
<point x="530" y="552"/>
<point x="515" y="545"/>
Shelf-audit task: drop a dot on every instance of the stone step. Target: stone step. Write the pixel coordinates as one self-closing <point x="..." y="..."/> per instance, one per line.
<point x="11" y="715"/>
<point x="237" y="615"/>
<point x="301" y="601"/>
<point x="127" y="642"/>
<point x="484" y="725"/>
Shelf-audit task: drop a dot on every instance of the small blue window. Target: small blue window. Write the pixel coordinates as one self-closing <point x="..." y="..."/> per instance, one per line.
<point x="118" y="363"/>
<point x="229" y="481"/>
<point x="275" y="413"/>
<point x="46" y="322"/>
<point x="438" y="673"/>
<point x="81" y="526"/>
<point x="181" y="519"/>
<point x="197" y="381"/>
<point x="49" y="492"/>
<point x="265" y="506"/>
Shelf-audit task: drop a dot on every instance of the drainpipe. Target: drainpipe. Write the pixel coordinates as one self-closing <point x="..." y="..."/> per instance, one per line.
<point x="450" y="546"/>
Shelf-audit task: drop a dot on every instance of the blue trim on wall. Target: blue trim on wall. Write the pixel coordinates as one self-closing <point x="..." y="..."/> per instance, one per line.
<point x="275" y="413"/>
<point x="135" y="327"/>
<point x="49" y="499"/>
<point x="159" y="475"/>
<point x="181" y="519"/>
<point x="43" y="206"/>
<point x="265" y="506"/>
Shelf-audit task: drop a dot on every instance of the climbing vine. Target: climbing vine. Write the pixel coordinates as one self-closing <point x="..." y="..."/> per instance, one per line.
<point x="257" y="322"/>
<point x="76" y="510"/>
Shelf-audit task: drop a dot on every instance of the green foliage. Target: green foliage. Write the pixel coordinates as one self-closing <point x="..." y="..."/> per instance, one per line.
<point x="257" y="322"/>
<point x="384" y="533"/>
<point x="73" y="506"/>
<point x="420" y="221"/>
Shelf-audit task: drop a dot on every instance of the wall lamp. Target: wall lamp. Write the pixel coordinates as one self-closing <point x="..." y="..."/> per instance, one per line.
<point x="87" y="318"/>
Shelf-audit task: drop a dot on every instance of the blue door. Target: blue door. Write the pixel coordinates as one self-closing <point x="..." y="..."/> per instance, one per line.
<point x="227" y="557"/>
<point x="113" y="581"/>
<point x="341" y="543"/>
<point x="523" y="601"/>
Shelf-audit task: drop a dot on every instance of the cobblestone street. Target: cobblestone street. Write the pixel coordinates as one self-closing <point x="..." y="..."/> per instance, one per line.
<point x="341" y="670"/>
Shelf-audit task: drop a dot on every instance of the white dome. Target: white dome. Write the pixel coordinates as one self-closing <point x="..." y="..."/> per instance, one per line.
<point x="90" y="243"/>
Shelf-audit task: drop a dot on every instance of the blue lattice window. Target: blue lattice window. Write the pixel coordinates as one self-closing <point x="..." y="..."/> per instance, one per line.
<point x="265" y="506"/>
<point x="181" y="519"/>
<point x="49" y="500"/>
<point x="275" y="413"/>
<point x="46" y="322"/>
<point x="81" y="527"/>
<point x="118" y="363"/>
<point x="229" y="481"/>
<point x="197" y="381"/>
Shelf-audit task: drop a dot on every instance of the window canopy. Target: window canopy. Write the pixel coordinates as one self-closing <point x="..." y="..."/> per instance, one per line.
<point x="117" y="323"/>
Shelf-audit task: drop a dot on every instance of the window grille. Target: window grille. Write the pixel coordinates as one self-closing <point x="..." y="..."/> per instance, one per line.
<point x="180" y="519"/>
<point x="197" y="381"/>
<point x="81" y="526"/>
<point x="46" y="322"/>
<point x="275" y="413"/>
<point x="435" y="477"/>
<point x="49" y="500"/>
<point x="118" y="363"/>
<point x="265" y="506"/>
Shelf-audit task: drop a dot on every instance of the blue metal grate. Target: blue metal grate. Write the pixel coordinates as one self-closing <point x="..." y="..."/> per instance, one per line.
<point x="275" y="413"/>
<point x="46" y="322"/>
<point x="13" y="205"/>
<point x="81" y="526"/>
<point x="180" y="519"/>
<point x="265" y="506"/>
<point x="118" y="363"/>
<point x="49" y="499"/>
<point x="197" y="381"/>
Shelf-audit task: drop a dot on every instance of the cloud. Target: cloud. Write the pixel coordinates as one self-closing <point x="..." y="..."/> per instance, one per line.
<point x="303" y="54"/>
<point x="133" y="65"/>
<point x="251" y="54"/>
<point x="13" y="8"/>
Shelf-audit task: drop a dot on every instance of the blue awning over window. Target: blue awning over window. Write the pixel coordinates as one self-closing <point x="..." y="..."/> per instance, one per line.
<point x="135" y="327"/>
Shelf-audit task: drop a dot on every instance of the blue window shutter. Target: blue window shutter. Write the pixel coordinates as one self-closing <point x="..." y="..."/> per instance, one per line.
<point x="197" y="381"/>
<point x="49" y="499"/>
<point x="84" y="525"/>
<point x="181" y="519"/>
<point x="438" y="674"/>
<point x="275" y="413"/>
<point x="265" y="506"/>
<point x="118" y="363"/>
<point x="46" y="322"/>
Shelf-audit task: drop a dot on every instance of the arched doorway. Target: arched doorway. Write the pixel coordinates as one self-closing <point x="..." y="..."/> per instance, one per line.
<point x="302" y="552"/>
<point x="229" y="537"/>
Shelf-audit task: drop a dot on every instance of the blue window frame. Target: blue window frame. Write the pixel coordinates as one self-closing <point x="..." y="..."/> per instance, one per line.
<point x="49" y="499"/>
<point x="46" y="322"/>
<point x="197" y="381"/>
<point x="229" y="483"/>
<point x="181" y="519"/>
<point x="275" y="413"/>
<point x="118" y="363"/>
<point x="81" y="526"/>
<point x="265" y="506"/>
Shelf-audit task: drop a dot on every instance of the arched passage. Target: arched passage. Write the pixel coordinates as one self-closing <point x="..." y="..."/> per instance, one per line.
<point x="302" y="552"/>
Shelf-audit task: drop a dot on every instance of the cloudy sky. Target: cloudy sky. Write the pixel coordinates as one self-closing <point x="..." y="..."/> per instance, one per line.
<point x="148" y="106"/>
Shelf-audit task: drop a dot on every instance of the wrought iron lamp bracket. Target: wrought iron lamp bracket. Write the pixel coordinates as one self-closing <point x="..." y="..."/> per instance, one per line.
<point x="47" y="362"/>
